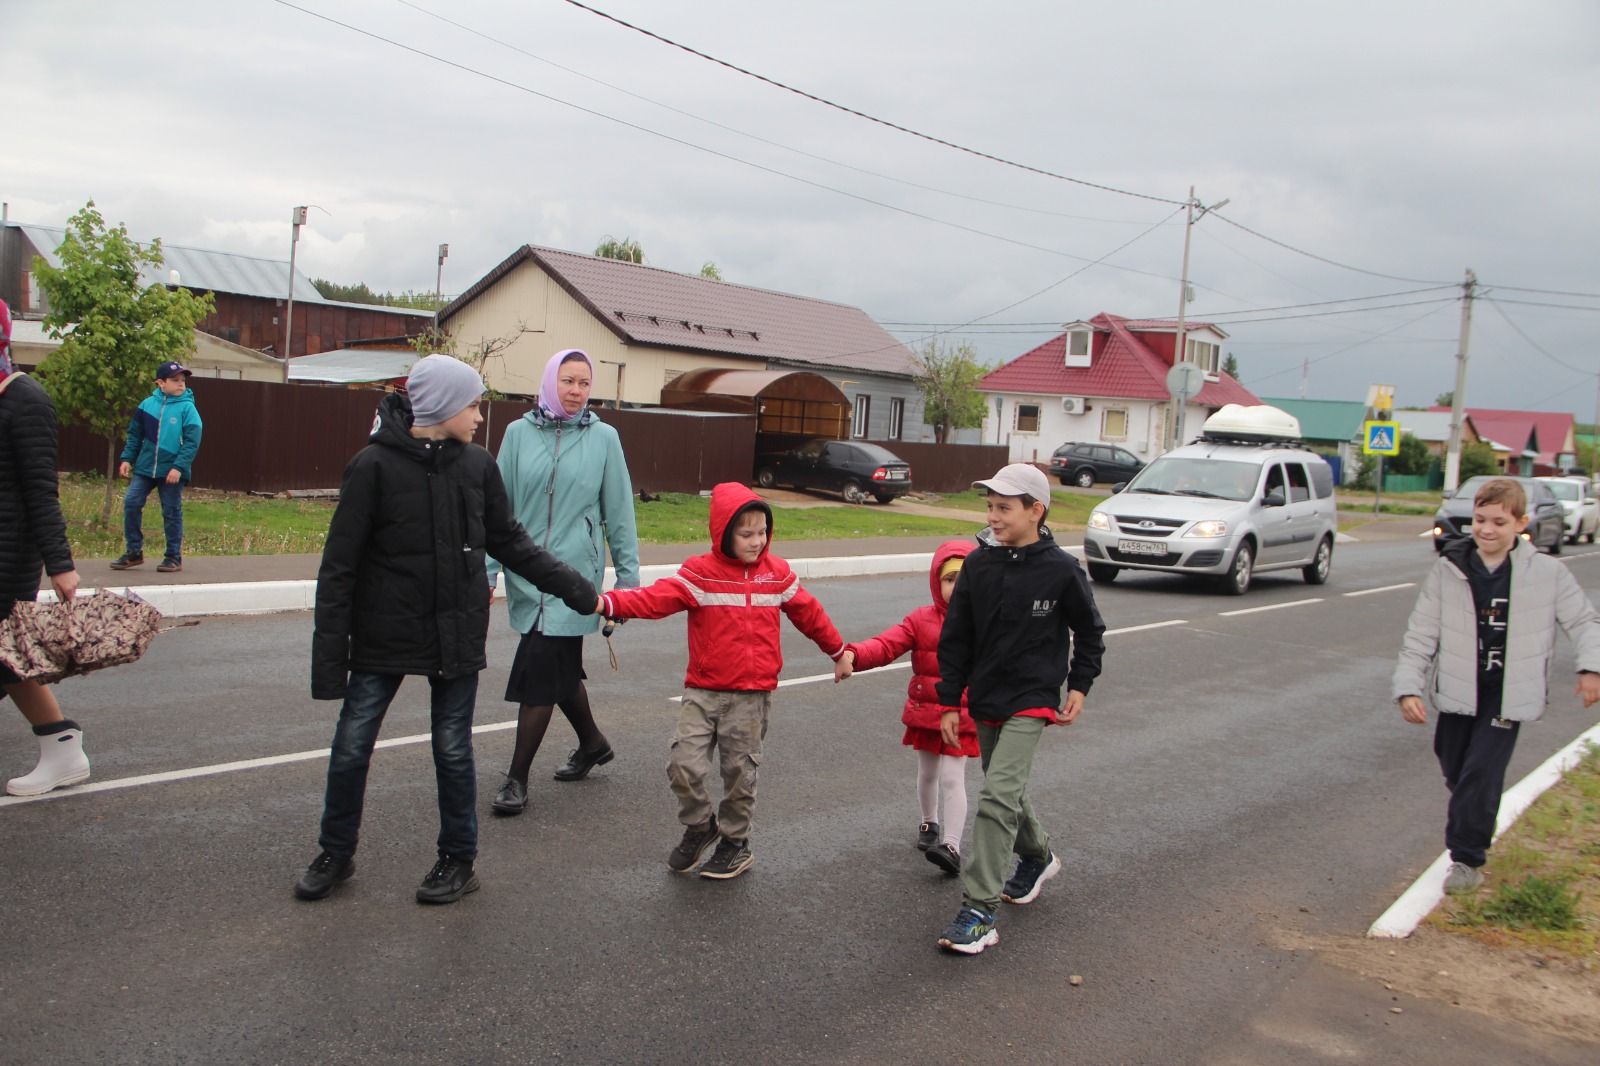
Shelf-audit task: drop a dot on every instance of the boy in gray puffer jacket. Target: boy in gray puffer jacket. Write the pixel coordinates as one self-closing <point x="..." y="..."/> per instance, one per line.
<point x="1478" y="645"/>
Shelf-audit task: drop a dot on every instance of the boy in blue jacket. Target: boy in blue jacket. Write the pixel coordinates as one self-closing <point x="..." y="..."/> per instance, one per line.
<point x="163" y="437"/>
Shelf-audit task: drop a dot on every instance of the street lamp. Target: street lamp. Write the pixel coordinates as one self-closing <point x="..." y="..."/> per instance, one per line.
<point x="438" y="289"/>
<point x="296" y="220"/>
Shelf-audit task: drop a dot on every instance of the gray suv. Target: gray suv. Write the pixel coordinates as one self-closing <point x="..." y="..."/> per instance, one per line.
<point x="1222" y="506"/>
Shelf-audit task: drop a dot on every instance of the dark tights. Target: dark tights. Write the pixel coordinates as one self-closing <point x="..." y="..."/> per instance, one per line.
<point x="532" y="721"/>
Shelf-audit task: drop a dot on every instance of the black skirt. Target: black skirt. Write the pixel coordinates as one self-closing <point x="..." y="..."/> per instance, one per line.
<point x="546" y="670"/>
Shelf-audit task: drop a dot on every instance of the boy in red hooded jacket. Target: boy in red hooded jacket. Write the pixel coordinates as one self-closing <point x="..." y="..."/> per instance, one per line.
<point x="941" y="767"/>
<point x="733" y="594"/>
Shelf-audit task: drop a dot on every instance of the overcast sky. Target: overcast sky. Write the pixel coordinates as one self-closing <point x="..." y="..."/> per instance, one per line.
<point x="1407" y="139"/>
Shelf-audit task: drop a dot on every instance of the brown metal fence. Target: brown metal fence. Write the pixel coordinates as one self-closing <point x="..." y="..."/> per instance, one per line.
<point x="268" y="437"/>
<point x="947" y="467"/>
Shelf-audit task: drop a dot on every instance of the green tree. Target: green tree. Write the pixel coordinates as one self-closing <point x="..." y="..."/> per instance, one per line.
<point x="708" y="269"/>
<point x="359" y="293"/>
<point x="114" y="330"/>
<point x="1477" y="458"/>
<point x="1445" y="399"/>
<point x="948" y="378"/>
<point x="1230" y="366"/>
<point x="626" y="249"/>
<point x="1413" y="458"/>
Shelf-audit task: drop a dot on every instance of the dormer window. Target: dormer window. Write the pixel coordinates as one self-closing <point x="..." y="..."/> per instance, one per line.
<point x="1079" y="343"/>
<point x="1204" y="354"/>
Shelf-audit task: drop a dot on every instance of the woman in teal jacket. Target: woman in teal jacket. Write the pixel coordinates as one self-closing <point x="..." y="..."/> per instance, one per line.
<point x="570" y="489"/>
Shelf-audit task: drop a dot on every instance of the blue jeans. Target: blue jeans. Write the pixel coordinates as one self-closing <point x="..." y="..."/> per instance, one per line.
<point x="139" y="487"/>
<point x="367" y="698"/>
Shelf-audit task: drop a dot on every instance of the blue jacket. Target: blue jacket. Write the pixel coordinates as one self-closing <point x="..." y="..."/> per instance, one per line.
<point x="570" y="489"/>
<point x="164" y="433"/>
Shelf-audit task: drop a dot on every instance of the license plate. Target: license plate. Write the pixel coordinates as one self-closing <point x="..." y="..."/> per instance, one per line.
<point x="895" y="475"/>
<point x="1141" y="547"/>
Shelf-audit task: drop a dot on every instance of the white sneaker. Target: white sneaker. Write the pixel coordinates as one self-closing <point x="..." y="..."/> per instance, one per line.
<point x="1461" y="879"/>
<point x="61" y="762"/>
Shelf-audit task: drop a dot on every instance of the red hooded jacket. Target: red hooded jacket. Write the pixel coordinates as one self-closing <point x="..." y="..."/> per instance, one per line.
<point x="734" y="628"/>
<point x="918" y="633"/>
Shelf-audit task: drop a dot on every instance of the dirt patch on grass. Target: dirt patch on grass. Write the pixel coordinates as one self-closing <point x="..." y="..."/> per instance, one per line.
<point x="1554" y="994"/>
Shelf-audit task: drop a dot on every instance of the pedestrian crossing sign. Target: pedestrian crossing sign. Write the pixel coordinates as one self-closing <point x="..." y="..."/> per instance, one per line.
<point x="1380" y="438"/>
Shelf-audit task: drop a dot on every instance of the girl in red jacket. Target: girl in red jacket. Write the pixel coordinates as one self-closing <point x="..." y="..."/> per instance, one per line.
<point x="941" y="769"/>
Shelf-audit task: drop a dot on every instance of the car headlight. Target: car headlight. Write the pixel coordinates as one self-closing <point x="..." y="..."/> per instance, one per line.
<point x="1211" y="527"/>
<point x="1439" y="530"/>
<point x="1099" y="521"/>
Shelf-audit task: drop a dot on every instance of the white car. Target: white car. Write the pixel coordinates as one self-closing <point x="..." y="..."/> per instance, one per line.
<point x="1581" y="506"/>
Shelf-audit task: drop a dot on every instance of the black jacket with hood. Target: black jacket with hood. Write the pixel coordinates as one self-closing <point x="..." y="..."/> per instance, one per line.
<point x="1013" y="616"/>
<point x="403" y="587"/>
<point x="33" y="533"/>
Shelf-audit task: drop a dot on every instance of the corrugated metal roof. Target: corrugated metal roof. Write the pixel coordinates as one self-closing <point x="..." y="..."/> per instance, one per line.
<point x="351" y="366"/>
<point x="647" y="305"/>
<point x="206" y="270"/>
<point x="1324" y="420"/>
<point x="1124" y="369"/>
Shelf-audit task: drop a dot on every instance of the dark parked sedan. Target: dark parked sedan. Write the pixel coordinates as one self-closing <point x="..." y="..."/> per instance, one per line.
<point x="1546" y="519"/>
<point x="1084" y="464"/>
<point x="856" y="470"/>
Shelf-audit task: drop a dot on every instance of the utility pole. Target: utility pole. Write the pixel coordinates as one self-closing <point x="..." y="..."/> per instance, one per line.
<point x="1452" y="457"/>
<point x="1178" y="353"/>
<point x="438" y="289"/>
<point x="296" y="220"/>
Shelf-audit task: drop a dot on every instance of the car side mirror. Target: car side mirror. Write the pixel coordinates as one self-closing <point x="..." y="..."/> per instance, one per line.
<point x="1118" y="487"/>
<point x="1273" y="499"/>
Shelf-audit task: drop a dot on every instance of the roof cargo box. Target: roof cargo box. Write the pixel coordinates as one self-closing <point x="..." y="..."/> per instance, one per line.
<point x="1257" y="422"/>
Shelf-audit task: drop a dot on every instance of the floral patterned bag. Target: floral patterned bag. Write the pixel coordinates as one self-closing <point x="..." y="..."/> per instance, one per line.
<point x="46" y="642"/>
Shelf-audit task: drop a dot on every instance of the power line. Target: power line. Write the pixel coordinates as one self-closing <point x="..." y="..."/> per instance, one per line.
<point x="1346" y="348"/>
<point x="1344" y="311"/>
<point x="1319" y="258"/>
<point x="1327" y="303"/>
<point x="756" y="136"/>
<point x="466" y="69"/>
<point x="1545" y="292"/>
<point x="1531" y="342"/>
<point x="1564" y="307"/>
<point x="872" y="118"/>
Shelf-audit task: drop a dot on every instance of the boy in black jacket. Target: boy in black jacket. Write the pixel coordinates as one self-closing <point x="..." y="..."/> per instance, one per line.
<point x="1020" y="604"/>
<point x="402" y="590"/>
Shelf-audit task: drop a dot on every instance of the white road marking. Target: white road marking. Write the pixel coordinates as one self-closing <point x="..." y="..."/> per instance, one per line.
<point x="1269" y="607"/>
<point x="1401" y="919"/>
<point x="1384" y="588"/>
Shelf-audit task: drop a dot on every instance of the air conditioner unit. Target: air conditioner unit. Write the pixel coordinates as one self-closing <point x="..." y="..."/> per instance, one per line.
<point x="1073" y="405"/>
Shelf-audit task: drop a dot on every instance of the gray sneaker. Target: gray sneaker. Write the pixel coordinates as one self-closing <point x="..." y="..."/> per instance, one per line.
<point x="1462" y="880"/>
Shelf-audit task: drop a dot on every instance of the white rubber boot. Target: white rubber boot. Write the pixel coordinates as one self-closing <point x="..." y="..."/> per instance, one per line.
<point x="61" y="762"/>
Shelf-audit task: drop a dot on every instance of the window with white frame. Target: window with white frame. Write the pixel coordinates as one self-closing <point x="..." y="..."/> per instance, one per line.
<point x="1204" y="354"/>
<point x="1078" y="347"/>
<point x="1114" y="423"/>
<point x="1026" y="418"/>
<point x="897" y="417"/>
<point x="863" y="411"/>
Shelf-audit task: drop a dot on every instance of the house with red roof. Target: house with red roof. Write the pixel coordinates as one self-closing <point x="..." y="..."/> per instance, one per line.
<point x="1105" y="379"/>
<point x="645" y="327"/>
<point x="1537" y="442"/>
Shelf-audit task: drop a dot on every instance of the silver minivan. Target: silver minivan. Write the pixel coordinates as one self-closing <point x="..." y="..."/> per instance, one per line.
<point x="1246" y="497"/>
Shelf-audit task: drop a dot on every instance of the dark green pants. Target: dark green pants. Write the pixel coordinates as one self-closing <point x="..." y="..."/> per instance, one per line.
<point x="1005" y="824"/>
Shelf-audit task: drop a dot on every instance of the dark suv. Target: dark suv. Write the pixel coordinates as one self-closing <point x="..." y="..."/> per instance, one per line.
<point x="1084" y="464"/>
<point x="855" y="469"/>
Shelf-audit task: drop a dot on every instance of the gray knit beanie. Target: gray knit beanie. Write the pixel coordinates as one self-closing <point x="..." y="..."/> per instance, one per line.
<point x="440" y="388"/>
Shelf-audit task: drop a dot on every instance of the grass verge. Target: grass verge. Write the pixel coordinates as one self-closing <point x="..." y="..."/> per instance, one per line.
<point x="1543" y="886"/>
<point x="226" y="523"/>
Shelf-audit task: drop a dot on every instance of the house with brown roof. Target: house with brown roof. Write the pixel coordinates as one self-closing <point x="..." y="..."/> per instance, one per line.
<point x="646" y="327"/>
<point x="1105" y="379"/>
<point x="1538" y="442"/>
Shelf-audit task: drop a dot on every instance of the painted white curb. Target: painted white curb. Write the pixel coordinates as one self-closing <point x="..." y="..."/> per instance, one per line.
<point x="1418" y="901"/>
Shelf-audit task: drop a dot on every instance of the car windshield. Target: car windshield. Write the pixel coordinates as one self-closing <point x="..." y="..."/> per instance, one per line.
<point x="1564" y="490"/>
<point x="1469" y="488"/>
<point x="1217" y="478"/>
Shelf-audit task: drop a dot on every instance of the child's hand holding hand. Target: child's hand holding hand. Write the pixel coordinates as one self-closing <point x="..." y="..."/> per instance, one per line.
<point x="950" y="728"/>
<point x="1069" y="710"/>
<point x="844" y="666"/>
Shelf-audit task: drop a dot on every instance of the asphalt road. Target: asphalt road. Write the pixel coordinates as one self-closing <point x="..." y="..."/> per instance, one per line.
<point x="1235" y="780"/>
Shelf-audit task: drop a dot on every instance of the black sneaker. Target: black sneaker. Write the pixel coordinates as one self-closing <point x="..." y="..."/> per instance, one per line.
<point x="322" y="875"/>
<point x="1029" y="878"/>
<point x="696" y="839"/>
<point x="512" y="799"/>
<point x="971" y="932"/>
<point x="927" y="835"/>
<point x="945" y="858"/>
<point x="127" y="559"/>
<point x="731" y="859"/>
<point x="169" y="565"/>
<point x="449" y="880"/>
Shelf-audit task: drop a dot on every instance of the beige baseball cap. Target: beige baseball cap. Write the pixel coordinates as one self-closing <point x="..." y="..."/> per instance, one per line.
<point x="1019" y="479"/>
